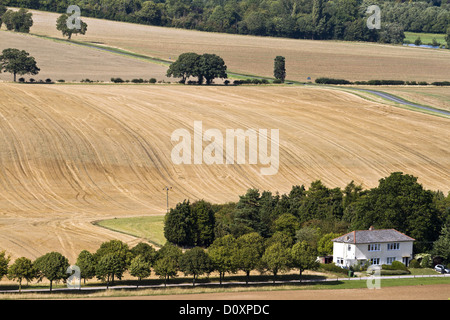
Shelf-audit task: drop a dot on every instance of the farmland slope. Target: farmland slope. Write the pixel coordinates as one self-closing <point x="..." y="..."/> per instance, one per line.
<point x="73" y="154"/>
<point x="254" y="55"/>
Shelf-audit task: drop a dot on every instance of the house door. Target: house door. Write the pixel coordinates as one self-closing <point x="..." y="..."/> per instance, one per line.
<point x="405" y="260"/>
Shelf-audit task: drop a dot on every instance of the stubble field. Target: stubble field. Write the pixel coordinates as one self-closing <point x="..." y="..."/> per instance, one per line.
<point x="255" y="55"/>
<point x="73" y="154"/>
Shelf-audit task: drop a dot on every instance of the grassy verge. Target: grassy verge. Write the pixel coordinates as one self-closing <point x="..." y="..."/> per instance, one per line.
<point x="150" y="228"/>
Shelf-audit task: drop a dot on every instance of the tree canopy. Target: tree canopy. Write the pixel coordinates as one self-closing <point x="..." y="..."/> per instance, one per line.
<point x="204" y="67"/>
<point x="17" y="62"/>
<point x="61" y="25"/>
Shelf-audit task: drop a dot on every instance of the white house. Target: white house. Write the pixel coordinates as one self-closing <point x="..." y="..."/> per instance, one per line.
<point x="382" y="246"/>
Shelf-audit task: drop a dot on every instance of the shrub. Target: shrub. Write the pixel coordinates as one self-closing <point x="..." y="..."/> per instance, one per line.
<point x="396" y="265"/>
<point x="423" y="83"/>
<point x="277" y="81"/>
<point x="418" y="41"/>
<point x="331" y="267"/>
<point x="61" y="80"/>
<point x="237" y="82"/>
<point x="22" y="80"/>
<point x="137" y="80"/>
<point x="32" y="80"/>
<point x="152" y="80"/>
<point x="332" y="81"/>
<point x="226" y="82"/>
<point x="117" y="80"/>
<point x="48" y="80"/>
<point x="414" y="264"/>
<point x="441" y="83"/>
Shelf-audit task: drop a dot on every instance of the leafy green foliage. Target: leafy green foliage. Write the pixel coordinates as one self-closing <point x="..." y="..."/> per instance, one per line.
<point x="21" y="269"/>
<point x="52" y="266"/>
<point x="17" y="61"/>
<point x="61" y="25"/>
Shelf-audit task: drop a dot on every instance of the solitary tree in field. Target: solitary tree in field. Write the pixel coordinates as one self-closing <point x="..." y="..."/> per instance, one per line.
<point x="61" y="25"/>
<point x="17" y="62"/>
<point x="279" y="69"/>
<point x="204" y="67"/>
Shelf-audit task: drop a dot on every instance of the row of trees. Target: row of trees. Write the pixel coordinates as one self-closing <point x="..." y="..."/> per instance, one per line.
<point x="398" y="202"/>
<point x="225" y="255"/>
<point x="311" y="19"/>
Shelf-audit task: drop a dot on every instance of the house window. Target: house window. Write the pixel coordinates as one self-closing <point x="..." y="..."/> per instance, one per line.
<point x="393" y="246"/>
<point x="374" y="247"/>
<point x="349" y="247"/>
<point x="389" y="260"/>
<point x="375" y="261"/>
<point x="340" y="261"/>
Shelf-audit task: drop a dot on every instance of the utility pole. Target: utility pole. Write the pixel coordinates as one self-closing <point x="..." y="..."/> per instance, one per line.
<point x="167" y="188"/>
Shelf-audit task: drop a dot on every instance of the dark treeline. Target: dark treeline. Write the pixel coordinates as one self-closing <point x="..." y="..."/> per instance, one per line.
<point x="398" y="202"/>
<point x="303" y="19"/>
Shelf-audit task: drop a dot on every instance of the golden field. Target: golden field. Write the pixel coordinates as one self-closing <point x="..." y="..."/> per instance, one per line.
<point x="73" y="154"/>
<point x="255" y="55"/>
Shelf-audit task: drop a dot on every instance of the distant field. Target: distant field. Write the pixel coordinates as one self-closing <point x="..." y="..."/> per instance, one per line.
<point x="74" y="154"/>
<point x="255" y="55"/>
<point x="72" y="62"/>
<point x="425" y="37"/>
<point x="150" y="228"/>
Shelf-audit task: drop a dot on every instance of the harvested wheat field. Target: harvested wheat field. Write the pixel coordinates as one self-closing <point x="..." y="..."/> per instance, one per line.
<point x="255" y="55"/>
<point x="72" y="154"/>
<point x="72" y="62"/>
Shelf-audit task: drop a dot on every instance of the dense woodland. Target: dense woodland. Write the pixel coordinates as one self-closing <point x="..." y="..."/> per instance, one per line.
<point x="398" y="202"/>
<point x="304" y="19"/>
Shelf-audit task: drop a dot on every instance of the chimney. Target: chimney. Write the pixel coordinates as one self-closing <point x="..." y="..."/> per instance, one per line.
<point x="371" y="228"/>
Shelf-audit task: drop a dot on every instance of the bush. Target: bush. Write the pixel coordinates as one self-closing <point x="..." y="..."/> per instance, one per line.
<point x="117" y="80"/>
<point x="331" y="267"/>
<point x="48" y="80"/>
<point x="21" y="80"/>
<point x="277" y="81"/>
<point x="441" y="83"/>
<point x="137" y="80"/>
<point x="226" y="82"/>
<point x="418" y="41"/>
<point x="332" y="81"/>
<point x="152" y="80"/>
<point x="396" y="265"/>
<point x="393" y="272"/>
<point x="61" y="80"/>
<point x="423" y="83"/>
<point x="237" y="82"/>
<point x="414" y="264"/>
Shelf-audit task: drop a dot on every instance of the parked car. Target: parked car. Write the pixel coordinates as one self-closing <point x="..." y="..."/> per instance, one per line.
<point x="441" y="268"/>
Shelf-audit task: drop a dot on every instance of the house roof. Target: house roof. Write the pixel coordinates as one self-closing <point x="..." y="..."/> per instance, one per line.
<point x="373" y="236"/>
